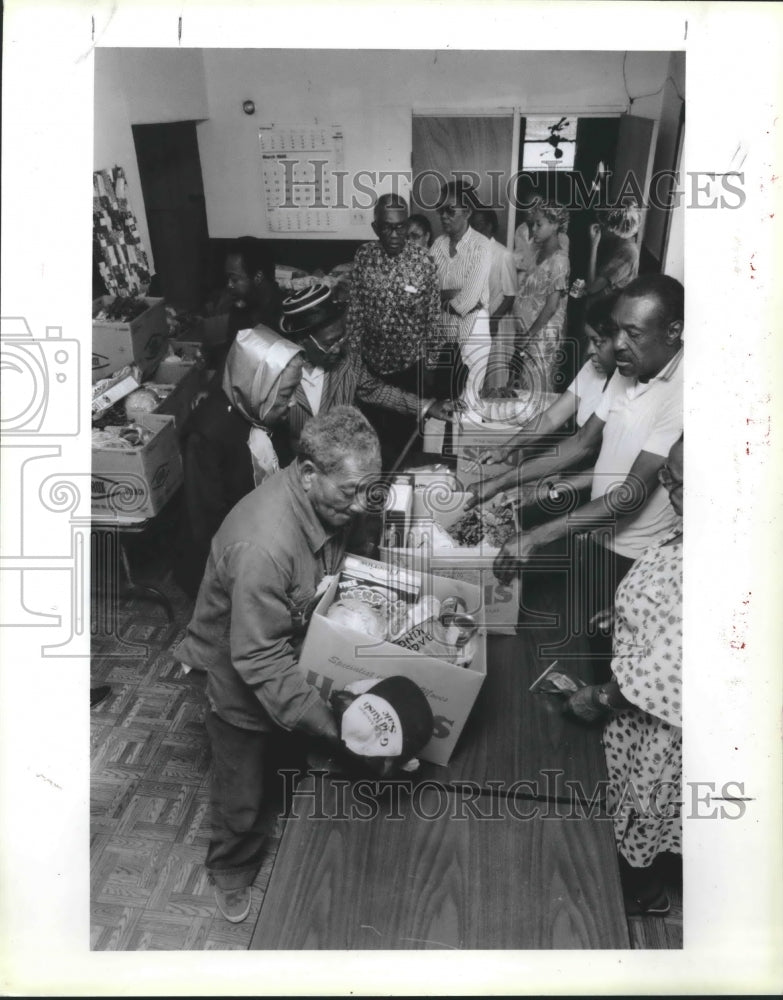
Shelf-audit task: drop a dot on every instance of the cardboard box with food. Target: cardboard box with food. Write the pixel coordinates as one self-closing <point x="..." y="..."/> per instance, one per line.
<point x="444" y="538"/>
<point x="136" y="467"/>
<point x="375" y="620"/>
<point x="127" y="331"/>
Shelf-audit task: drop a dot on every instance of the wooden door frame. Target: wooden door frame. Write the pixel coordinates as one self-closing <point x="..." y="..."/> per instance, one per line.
<point x="517" y="113"/>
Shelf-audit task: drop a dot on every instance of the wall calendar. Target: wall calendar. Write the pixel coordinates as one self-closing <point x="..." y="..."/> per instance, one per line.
<point x="300" y="170"/>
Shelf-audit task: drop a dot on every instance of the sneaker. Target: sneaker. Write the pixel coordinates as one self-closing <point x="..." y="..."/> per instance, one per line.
<point x="234" y="904"/>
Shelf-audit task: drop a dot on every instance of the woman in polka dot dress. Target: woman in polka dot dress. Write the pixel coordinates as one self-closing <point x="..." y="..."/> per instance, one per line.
<point x="643" y="735"/>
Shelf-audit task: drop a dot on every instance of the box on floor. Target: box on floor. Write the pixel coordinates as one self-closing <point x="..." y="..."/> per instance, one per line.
<point x="333" y="656"/>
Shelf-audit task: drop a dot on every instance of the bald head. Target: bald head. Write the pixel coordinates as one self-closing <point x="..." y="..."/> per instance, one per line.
<point x="390" y="224"/>
<point x="385" y="201"/>
<point x="666" y="292"/>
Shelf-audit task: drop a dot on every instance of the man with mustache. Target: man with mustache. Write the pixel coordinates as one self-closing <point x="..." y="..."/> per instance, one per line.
<point x="629" y="435"/>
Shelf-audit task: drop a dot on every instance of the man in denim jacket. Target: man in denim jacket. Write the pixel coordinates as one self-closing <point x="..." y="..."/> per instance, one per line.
<point x="265" y="565"/>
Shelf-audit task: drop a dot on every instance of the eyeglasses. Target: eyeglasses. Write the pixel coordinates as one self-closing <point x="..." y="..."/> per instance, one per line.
<point x="451" y="210"/>
<point x="666" y="478"/>
<point x="391" y="229"/>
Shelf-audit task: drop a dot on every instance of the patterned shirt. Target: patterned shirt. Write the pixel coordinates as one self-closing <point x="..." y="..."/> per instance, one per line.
<point x="393" y="308"/>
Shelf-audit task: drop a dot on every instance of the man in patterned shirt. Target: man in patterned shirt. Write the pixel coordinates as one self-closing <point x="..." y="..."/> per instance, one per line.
<point x="393" y="314"/>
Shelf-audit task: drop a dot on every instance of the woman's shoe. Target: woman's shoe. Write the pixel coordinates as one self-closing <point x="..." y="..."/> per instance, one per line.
<point x="657" y="906"/>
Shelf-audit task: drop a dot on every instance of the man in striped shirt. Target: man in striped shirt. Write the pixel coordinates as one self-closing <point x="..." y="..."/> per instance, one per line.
<point x="463" y="258"/>
<point x="334" y="375"/>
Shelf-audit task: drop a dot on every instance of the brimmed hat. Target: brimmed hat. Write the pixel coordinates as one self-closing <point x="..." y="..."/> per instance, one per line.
<point x="309" y="309"/>
<point x="390" y="718"/>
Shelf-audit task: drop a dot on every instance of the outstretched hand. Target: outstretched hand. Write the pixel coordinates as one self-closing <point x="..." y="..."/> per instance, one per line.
<point x="495" y="456"/>
<point x="445" y="409"/>
<point x="512" y="557"/>
<point x="603" y="620"/>
<point x="582" y="704"/>
<point x="481" y="491"/>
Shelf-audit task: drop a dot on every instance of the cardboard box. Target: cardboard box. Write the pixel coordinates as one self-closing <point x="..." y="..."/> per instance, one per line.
<point x="185" y="353"/>
<point x="499" y="608"/>
<point x="333" y="656"/>
<point x="142" y="341"/>
<point x="187" y="381"/>
<point x="137" y="482"/>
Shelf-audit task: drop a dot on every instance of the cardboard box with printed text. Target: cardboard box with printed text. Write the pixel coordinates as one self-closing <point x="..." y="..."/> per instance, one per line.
<point x="499" y="601"/>
<point x="141" y="341"/>
<point x="137" y="482"/>
<point x="333" y="656"/>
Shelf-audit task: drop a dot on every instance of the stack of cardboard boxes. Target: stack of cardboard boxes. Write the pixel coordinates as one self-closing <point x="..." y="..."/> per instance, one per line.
<point x="137" y="482"/>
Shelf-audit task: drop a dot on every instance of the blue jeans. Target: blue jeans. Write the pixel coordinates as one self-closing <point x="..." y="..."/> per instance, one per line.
<point x="243" y="763"/>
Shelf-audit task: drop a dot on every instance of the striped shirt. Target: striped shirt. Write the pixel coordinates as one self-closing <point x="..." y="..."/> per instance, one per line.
<point x="350" y="380"/>
<point x="468" y="272"/>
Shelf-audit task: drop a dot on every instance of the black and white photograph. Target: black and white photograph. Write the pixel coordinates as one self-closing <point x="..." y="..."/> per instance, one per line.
<point x="358" y="501"/>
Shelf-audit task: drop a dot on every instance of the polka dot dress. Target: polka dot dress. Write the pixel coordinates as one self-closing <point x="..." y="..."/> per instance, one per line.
<point x="643" y="744"/>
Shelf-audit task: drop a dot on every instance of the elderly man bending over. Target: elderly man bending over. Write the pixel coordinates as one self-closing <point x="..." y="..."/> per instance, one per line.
<point x="265" y="565"/>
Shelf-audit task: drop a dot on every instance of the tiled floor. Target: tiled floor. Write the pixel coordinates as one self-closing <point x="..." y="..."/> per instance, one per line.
<point x="150" y="803"/>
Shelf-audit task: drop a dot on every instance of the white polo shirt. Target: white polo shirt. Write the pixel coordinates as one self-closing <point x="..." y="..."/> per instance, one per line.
<point x="590" y="388"/>
<point x="644" y="416"/>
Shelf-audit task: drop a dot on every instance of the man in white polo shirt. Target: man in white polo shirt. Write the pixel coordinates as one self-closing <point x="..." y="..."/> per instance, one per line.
<point x="631" y="433"/>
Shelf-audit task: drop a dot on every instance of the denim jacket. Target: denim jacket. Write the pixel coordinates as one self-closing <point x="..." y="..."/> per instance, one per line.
<point x="264" y="566"/>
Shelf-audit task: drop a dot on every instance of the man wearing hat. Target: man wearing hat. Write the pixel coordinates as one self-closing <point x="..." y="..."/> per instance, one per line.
<point x="334" y="375"/>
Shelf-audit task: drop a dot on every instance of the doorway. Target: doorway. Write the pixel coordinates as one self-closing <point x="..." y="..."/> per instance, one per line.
<point x="173" y="189"/>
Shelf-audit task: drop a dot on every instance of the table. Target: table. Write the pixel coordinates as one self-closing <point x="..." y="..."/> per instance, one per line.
<point x="431" y="880"/>
<point x="103" y="530"/>
<point x="513" y="735"/>
<point x="429" y="868"/>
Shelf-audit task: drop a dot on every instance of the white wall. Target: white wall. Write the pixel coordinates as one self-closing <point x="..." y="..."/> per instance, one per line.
<point x="372" y="94"/>
<point x="142" y="86"/>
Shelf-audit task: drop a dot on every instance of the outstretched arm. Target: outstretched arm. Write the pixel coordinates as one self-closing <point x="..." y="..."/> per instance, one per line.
<point x="573" y="452"/>
<point x="622" y="501"/>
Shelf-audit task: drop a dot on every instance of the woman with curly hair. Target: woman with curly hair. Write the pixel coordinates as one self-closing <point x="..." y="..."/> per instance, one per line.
<point x="540" y="305"/>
